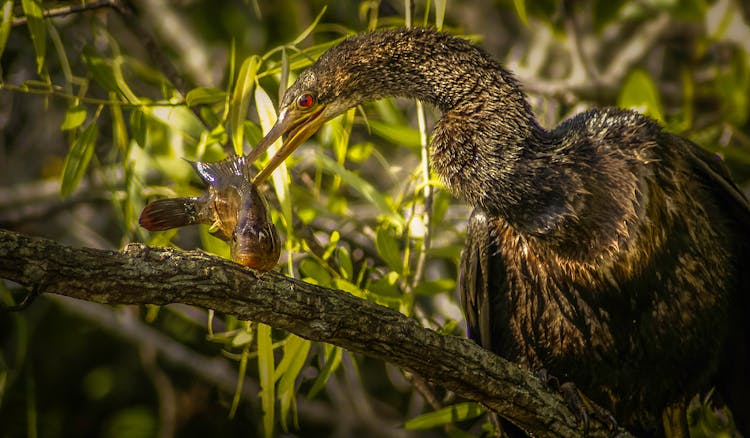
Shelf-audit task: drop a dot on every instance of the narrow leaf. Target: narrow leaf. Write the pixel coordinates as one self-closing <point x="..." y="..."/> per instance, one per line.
<point x="241" y="100"/>
<point x="332" y="362"/>
<point x="521" y="10"/>
<point x="35" y="22"/>
<point x="397" y="134"/>
<point x="447" y="415"/>
<point x="265" y="375"/>
<point x="387" y="247"/>
<point x="5" y="22"/>
<point x="309" y="28"/>
<point x="640" y="93"/>
<point x="204" y="95"/>
<point x="365" y="189"/>
<point x="296" y="350"/>
<point x="439" y="13"/>
<point x="78" y="158"/>
<point x="74" y="117"/>
<point x="280" y="177"/>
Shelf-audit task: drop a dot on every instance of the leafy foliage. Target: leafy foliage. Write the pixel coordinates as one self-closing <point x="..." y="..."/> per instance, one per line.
<point x="359" y="209"/>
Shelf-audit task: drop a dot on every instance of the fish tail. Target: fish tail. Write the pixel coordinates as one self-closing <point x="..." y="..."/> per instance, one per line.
<point x="164" y="214"/>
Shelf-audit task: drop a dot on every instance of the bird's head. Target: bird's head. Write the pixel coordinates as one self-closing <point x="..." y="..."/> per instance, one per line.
<point x="326" y="89"/>
<point x="360" y="68"/>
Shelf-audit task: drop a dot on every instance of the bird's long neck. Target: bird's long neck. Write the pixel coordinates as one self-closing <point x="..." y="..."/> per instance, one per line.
<point x="487" y="147"/>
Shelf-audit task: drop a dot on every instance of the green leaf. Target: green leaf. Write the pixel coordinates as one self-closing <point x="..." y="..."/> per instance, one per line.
<point x="241" y="100"/>
<point x="345" y="262"/>
<point x="310" y="268"/>
<point x="332" y="362"/>
<point x="439" y="13"/>
<point x="178" y="118"/>
<point x="78" y="158"/>
<point x="74" y="117"/>
<point x="5" y="23"/>
<point x="387" y="247"/>
<point x="640" y="94"/>
<point x="35" y="22"/>
<point x="242" y="338"/>
<point x="309" y="28"/>
<point x="138" y="127"/>
<point x="397" y="134"/>
<point x="265" y="376"/>
<point x="521" y="11"/>
<point x="280" y="176"/>
<point x="434" y="287"/>
<point x="363" y="187"/>
<point x="101" y="70"/>
<point x="447" y="415"/>
<point x="204" y="95"/>
<point x="296" y="350"/>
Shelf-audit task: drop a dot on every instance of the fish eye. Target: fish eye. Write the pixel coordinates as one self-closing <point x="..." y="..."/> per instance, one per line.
<point x="305" y="101"/>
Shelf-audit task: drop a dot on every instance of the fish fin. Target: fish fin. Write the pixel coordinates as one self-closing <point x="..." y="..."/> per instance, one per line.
<point x="224" y="170"/>
<point x="164" y="214"/>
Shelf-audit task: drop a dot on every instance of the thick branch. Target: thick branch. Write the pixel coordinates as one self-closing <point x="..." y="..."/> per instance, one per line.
<point x="141" y="275"/>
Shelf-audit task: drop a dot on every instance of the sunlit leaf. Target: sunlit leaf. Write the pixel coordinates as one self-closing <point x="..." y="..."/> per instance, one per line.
<point x="242" y="338"/>
<point x="364" y="188"/>
<point x="177" y="118"/>
<point x="35" y="21"/>
<point x="332" y="362"/>
<point x="204" y="95"/>
<point x="138" y="127"/>
<point x="310" y="268"/>
<point x="213" y="244"/>
<point x="402" y="135"/>
<point x="640" y="94"/>
<point x="265" y="376"/>
<point x="100" y="69"/>
<point x="434" y="287"/>
<point x="440" y="13"/>
<point x="447" y="415"/>
<point x="5" y="23"/>
<point x="296" y="350"/>
<point x="241" y="101"/>
<point x="78" y="158"/>
<point x="521" y="10"/>
<point x="388" y="249"/>
<point x="345" y="262"/>
<point x="309" y="28"/>
<point x="74" y="117"/>
<point x="280" y="176"/>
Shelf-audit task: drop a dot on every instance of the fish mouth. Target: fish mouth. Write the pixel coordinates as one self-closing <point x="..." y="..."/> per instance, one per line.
<point x="295" y="127"/>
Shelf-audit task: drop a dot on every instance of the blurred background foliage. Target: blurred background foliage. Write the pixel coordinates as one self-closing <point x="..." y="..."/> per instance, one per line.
<point x="99" y="106"/>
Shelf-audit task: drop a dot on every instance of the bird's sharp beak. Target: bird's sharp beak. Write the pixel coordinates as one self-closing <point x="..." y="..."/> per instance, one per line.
<point x="295" y="127"/>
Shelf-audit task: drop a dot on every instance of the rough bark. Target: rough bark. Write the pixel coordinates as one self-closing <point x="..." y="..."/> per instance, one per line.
<point x="144" y="275"/>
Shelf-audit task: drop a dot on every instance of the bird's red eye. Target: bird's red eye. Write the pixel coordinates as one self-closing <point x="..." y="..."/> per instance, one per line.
<point x="306" y="100"/>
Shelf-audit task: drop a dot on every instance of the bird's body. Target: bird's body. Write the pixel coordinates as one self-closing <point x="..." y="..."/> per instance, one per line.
<point x="606" y="251"/>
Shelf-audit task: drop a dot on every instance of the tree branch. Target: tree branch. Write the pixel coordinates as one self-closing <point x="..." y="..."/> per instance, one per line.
<point x="143" y="275"/>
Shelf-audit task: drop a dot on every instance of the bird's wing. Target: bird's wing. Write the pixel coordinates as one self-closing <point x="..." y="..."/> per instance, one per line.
<point x="481" y="280"/>
<point x="733" y="377"/>
<point x="712" y="168"/>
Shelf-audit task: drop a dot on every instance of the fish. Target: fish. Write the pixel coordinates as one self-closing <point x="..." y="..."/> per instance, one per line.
<point x="232" y="205"/>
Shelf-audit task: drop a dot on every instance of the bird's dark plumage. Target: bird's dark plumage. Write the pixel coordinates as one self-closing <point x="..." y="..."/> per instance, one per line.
<point x="606" y="251"/>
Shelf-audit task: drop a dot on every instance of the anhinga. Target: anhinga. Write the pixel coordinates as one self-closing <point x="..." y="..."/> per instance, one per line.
<point x="608" y="252"/>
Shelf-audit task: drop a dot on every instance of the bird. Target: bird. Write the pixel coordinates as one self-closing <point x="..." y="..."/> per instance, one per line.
<point x="606" y="251"/>
<point x="234" y="208"/>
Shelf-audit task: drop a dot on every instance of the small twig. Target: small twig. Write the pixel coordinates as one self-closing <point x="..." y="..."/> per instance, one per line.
<point x="67" y="10"/>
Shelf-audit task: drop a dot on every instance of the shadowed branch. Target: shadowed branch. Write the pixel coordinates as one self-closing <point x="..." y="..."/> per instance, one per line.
<point x="143" y="275"/>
